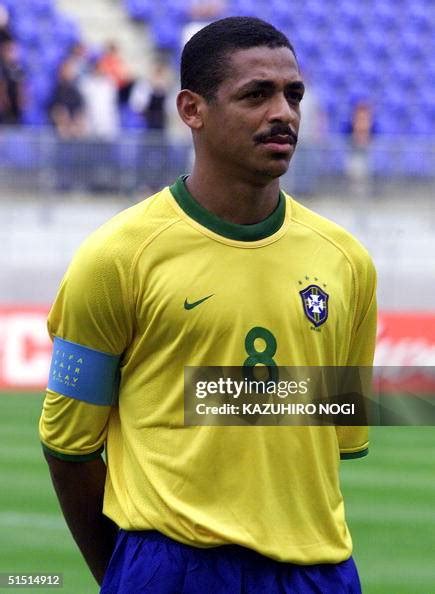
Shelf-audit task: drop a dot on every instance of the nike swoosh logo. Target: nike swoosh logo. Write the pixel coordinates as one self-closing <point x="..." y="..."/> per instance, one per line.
<point x="188" y="305"/>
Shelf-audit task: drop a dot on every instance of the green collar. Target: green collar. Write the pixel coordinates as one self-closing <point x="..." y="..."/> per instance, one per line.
<point x="206" y="218"/>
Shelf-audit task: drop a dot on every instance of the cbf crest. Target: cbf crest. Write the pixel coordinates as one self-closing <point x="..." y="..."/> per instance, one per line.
<point x="315" y="303"/>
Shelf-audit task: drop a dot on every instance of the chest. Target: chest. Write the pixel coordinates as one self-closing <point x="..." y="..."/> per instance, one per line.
<point x="210" y="302"/>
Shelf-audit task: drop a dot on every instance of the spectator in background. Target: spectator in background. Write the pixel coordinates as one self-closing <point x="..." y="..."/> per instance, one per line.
<point x="113" y="65"/>
<point x="5" y="32"/>
<point x="100" y="166"/>
<point x="303" y="176"/>
<point x="79" y="59"/>
<point x="66" y="111"/>
<point x="207" y="10"/>
<point x="67" y="105"/>
<point x="149" y="96"/>
<point x="101" y="103"/>
<point x="11" y="84"/>
<point x="362" y="126"/>
<point x="361" y="129"/>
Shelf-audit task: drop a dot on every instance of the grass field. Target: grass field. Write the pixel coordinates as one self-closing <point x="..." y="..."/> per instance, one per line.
<point x="390" y="507"/>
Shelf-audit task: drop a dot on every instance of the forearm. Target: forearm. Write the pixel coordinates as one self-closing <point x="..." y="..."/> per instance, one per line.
<point x="80" y="489"/>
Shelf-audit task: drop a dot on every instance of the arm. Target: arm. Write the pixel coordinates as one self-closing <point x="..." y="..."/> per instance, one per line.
<point x="354" y="440"/>
<point x="80" y="488"/>
<point x="90" y="329"/>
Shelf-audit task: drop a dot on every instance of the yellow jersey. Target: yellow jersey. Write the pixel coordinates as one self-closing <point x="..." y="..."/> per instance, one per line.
<point x="167" y="284"/>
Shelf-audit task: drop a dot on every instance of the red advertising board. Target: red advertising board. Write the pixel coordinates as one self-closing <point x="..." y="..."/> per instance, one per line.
<point x="405" y="339"/>
<point x="25" y="348"/>
<point x="406" y="343"/>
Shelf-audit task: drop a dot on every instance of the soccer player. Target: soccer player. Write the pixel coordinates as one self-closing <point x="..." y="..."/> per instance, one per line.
<point x="220" y="269"/>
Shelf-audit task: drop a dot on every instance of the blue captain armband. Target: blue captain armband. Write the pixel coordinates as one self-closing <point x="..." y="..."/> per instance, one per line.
<point x="83" y="373"/>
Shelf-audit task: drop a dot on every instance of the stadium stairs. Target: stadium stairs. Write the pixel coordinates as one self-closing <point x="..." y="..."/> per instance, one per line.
<point x="106" y="20"/>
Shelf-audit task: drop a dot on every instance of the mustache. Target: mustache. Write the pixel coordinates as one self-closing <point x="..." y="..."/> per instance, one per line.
<point x="277" y="130"/>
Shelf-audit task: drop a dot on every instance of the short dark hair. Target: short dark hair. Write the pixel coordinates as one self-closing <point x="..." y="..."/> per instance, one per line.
<point x="205" y="60"/>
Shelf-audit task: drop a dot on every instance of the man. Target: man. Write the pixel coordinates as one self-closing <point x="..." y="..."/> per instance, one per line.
<point x="210" y="272"/>
<point x="11" y="84"/>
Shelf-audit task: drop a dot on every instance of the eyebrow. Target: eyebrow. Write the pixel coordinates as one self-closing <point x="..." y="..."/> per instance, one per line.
<point x="269" y="84"/>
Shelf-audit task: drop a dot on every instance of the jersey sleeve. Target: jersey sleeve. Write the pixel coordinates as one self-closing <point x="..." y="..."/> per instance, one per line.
<point x="90" y="326"/>
<point x="354" y="441"/>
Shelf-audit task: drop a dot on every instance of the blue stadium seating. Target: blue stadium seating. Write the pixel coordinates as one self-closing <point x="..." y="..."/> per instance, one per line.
<point x="139" y="9"/>
<point x="44" y="36"/>
<point x="350" y="49"/>
<point x="376" y="50"/>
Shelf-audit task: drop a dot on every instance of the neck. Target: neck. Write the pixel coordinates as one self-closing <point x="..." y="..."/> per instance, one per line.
<point x="234" y="200"/>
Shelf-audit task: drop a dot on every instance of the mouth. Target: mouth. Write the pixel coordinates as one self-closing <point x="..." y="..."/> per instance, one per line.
<point x="280" y="140"/>
<point x="280" y="143"/>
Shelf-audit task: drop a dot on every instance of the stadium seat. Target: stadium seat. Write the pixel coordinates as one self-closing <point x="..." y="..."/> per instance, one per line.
<point x="284" y="13"/>
<point x="140" y="10"/>
<point x="421" y="122"/>
<point x="246" y="8"/>
<point x="348" y="49"/>
<point x="25" y="31"/>
<point x="35" y="116"/>
<point x="66" y="31"/>
<point x="16" y="153"/>
<point x="131" y="119"/>
<point x="165" y="35"/>
<point x="43" y="8"/>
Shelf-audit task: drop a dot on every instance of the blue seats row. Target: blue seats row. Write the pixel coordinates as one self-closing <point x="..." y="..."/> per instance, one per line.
<point x="377" y="49"/>
<point x="22" y="151"/>
<point x="44" y="35"/>
<point x="342" y="45"/>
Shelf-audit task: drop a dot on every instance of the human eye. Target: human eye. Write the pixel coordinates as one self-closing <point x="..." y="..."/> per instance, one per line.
<point x="255" y="94"/>
<point x="294" y="95"/>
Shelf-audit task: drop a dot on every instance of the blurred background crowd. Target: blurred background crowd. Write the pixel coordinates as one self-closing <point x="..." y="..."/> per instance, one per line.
<point x="87" y="111"/>
<point x="369" y="69"/>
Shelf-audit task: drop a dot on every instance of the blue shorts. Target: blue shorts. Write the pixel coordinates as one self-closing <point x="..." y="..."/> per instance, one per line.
<point x="151" y="563"/>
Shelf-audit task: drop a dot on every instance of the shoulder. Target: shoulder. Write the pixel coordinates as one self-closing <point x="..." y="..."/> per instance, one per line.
<point x="326" y="231"/>
<point x="128" y="232"/>
<point x="96" y="291"/>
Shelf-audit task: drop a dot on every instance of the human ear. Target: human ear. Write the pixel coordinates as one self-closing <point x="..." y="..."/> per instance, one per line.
<point x="190" y="107"/>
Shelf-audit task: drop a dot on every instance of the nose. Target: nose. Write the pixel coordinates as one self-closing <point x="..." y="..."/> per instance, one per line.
<point x="281" y="110"/>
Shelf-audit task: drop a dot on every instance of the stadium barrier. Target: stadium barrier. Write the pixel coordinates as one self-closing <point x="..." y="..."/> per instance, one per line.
<point x="37" y="161"/>
<point x="405" y="340"/>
